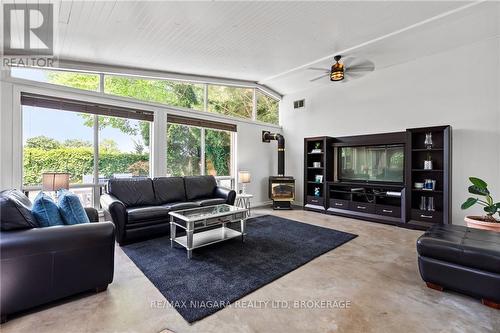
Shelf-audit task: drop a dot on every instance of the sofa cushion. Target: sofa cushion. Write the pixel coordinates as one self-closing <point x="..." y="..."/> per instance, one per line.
<point x="173" y="206"/>
<point x="133" y="192"/>
<point x="15" y="211"/>
<point x="463" y="246"/>
<point x="199" y="187"/>
<point x="45" y="211"/>
<point x="210" y="201"/>
<point x="169" y="189"/>
<point x="140" y="214"/>
<point x="71" y="208"/>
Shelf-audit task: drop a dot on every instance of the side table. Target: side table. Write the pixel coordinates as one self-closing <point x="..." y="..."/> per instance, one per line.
<point x="243" y="201"/>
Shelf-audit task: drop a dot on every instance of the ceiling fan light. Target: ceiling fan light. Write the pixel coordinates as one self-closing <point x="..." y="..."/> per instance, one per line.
<point x="337" y="72"/>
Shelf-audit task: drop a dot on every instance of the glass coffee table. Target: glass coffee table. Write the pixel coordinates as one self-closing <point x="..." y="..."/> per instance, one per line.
<point x="195" y="220"/>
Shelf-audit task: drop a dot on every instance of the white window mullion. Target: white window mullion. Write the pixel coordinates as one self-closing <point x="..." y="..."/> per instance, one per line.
<point x="205" y="98"/>
<point x="254" y="107"/>
<point x="234" y="158"/>
<point x="101" y="83"/>
<point x="158" y="145"/>
<point x="202" y="163"/>
<point x="96" y="162"/>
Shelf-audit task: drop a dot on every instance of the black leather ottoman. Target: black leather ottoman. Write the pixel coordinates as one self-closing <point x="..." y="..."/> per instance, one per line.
<point x="462" y="259"/>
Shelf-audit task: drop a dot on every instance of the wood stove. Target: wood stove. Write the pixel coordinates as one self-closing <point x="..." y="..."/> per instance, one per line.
<point x="281" y="187"/>
<point x="281" y="191"/>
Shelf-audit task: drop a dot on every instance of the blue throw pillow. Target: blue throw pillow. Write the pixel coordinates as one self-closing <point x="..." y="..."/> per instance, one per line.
<point x="46" y="211"/>
<point x="71" y="208"/>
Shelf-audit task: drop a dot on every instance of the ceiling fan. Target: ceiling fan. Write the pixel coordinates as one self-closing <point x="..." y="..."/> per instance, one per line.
<point x="345" y="69"/>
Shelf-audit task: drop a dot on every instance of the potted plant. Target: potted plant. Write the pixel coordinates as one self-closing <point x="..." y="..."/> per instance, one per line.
<point x="487" y="222"/>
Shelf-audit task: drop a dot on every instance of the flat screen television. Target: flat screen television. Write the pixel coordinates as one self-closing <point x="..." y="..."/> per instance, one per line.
<point x="381" y="163"/>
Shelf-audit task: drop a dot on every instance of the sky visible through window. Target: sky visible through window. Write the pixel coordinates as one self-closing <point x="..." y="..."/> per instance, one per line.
<point x="36" y="122"/>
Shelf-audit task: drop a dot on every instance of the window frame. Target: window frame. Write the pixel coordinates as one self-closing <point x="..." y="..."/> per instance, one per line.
<point x="96" y="186"/>
<point x="232" y="143"/>
<point x="205" y="82"/>
<point x="158" y="139"/>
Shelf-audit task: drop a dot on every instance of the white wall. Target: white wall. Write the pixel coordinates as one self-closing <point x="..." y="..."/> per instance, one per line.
<point x="251" y="153"/>
<point x="258" y="157"/>
<point x="459" y="87"/>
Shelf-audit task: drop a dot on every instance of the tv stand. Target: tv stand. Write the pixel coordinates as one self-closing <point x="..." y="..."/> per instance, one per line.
<point x="405" y="203"/>
<point x="372" y="202"/>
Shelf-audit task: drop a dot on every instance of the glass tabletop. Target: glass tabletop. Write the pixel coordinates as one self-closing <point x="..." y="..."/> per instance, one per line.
<point x="206" y="212"/>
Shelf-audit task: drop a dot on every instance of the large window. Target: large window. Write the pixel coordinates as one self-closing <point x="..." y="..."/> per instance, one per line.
<point x="234" y="101"/>
<point x="62" y="140"/>
<point x="217" y="152"/>
<point x="230" y="101"/>
<point x="196" y="148"/>
<point x="48" y="146"/>
<point x="173" y="93"/>
<point x="78" y="80"/>
<point x="267" y="109"/>
<point x="183" y="150"/>
<point x="123" y="148"/>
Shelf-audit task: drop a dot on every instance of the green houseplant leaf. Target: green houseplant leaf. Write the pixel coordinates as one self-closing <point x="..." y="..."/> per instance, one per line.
<point x="490" y="209"/>
<point x="473" y="189"/>
<point x="478" y="182"/>
<point x="469" y="203"/>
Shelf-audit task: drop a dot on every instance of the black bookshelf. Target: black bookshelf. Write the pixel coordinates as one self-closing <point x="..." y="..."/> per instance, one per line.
<point x="316" y="150"/>
<point x="440" y="155"/>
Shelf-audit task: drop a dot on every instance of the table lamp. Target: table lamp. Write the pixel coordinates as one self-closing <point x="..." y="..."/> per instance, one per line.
<point x="55" y="181"/>
<point x="243" y="178"/>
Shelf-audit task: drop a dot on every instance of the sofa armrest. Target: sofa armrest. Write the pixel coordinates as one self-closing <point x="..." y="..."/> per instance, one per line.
<point x="40" y="265"/>
<point x="92" y="214"/>
<point x="29" y="242"/>
<point x="229" y="195"/>
<point x="115" y="211"/>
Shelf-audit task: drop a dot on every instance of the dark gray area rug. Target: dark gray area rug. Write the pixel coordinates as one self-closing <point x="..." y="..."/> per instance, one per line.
<point x="222" y="273"/>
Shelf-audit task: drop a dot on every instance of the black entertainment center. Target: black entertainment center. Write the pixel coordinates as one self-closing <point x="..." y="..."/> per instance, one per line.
<point x="400" y="178"/>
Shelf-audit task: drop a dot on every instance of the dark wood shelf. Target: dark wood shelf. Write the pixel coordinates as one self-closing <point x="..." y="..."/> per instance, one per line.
<point x="427" y="191"/>
<point x="324" y="157"/>
<point x="367" y="184"/>
<point x="441" y="157"/>
<point x="425" y="149"/>
<point x="340" y="191"/>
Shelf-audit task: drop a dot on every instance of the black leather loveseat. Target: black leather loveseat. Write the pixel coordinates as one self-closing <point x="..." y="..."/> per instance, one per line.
<point x="139" y="207"/>
<point x="40" y="265"/>
<point x="462" y="259"/>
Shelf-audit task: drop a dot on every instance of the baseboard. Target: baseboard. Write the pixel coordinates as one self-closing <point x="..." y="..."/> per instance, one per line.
<point x="261" y="204"/>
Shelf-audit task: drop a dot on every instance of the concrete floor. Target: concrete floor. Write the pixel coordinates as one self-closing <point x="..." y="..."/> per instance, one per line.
<point x="376" y="272"/>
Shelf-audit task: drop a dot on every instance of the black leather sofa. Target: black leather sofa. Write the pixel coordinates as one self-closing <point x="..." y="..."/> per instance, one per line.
<point x="40" y="265"/>
<point x="462" y="259"/>
<point x="139" y="207"/>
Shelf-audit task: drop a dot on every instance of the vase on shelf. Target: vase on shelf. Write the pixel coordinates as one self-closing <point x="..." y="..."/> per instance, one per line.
<point x="428" y="140"/>
<point x="316" y="192"/>
<point x="428" y="163"/>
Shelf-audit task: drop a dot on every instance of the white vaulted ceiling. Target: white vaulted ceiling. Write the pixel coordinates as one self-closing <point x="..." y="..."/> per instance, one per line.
<point x="256" y="41"/>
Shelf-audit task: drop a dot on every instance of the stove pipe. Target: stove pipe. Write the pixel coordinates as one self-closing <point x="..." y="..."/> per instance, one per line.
<point x="267" y="137"/>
